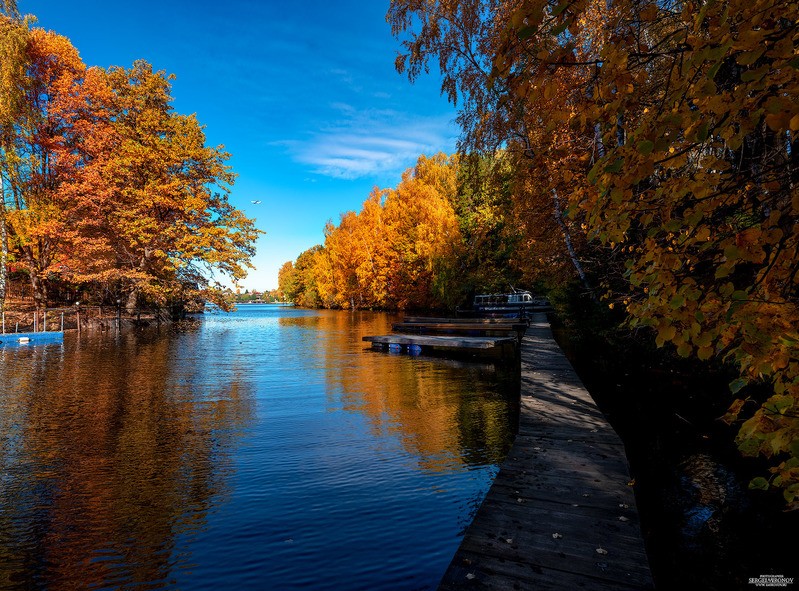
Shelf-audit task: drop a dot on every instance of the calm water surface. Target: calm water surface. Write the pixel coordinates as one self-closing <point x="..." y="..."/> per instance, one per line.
<point x="264" y="449"/>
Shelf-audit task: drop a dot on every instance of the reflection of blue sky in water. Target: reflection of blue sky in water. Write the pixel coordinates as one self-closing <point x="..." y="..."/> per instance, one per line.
<point x="265" y="449"/>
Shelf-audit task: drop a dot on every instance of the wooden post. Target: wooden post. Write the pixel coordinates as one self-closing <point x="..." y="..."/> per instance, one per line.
<point x="62" y="322"/>
<point x="44" y="325"/>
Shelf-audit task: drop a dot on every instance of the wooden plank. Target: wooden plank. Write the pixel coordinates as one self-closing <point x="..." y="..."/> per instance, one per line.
<point x="472" y="573"/>
<point x="516" y="330"/>
<point x="561" y="512"/>
<point x="414" y="319"/>
<point x="459" y="326"/>
<point x="442" y="341"/>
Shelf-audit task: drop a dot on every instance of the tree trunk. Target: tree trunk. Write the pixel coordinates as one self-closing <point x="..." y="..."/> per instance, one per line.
<point x="132" y="301"/>
<point x="3" y="245"/>
<point x="3" y="259"/>
<point x="39" y="286"/>
<point x="569" y="246"/>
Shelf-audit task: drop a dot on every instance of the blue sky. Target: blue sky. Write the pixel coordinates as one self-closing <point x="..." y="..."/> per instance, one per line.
<point x="303" y="94"/>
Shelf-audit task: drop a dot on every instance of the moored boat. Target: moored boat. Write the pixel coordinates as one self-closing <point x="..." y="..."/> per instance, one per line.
<point x="517" y="303"/>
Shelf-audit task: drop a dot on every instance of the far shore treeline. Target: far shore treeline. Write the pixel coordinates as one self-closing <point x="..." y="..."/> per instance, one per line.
<point x="107" y="193"/>
<point x="638" y="159"/>
<point x="446" y="231"/>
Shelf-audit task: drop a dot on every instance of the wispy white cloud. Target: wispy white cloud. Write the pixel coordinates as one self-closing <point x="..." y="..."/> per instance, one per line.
<point x="378" y="143"/>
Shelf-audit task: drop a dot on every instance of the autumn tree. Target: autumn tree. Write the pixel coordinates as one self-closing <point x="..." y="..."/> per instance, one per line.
<point x="104" y="185"/>
<point x="425" y="235"/>
<point x="48" y="151"/>
<point x="286" y="286"/>
<point x="9" y="8"/>
<point x="13" y="41"/>
<point x="400" y="251"/>
<point x="299" y="281"/>
<point x="168" y="220"/>
<point x="491" y="236"/>
<point x="672" y="141"/>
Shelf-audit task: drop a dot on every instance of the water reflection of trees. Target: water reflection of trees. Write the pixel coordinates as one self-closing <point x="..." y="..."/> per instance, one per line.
<point x="447" y="414"/>
<point x="109" y="452"/>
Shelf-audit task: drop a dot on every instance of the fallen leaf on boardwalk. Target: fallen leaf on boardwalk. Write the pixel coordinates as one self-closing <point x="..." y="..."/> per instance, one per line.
<point x="556" y="536"/>
<point x="624" y="505"/>
<point x="509" y="540"/>
<point x="601" y="551"/>
<point x="471" y="576"/>
<point x="623" y="518"/>
<point x="520" y="500"/>
<point x="631" y="483"/>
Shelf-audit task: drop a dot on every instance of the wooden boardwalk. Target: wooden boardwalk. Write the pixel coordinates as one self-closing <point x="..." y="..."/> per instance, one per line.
<point x="561" y="513"/>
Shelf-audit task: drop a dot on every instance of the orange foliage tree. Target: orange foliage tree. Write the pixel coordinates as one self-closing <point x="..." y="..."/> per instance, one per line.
<point x="400" y="251"/>
<point x="13" y="41"/>
<point x="169" y="223"/>
<point x="105" y="186"/>
<point x="668" y="132"/>
<point x="47" y="154"/>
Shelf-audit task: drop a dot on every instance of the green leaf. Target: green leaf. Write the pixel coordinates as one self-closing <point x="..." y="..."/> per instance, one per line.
<point x="527" y="32"/>
<point x="758" y="483"/>
<point x="748" y="58"/>
<point x="751" y="76"/>
<point x="616" y="166"/>
<point x="645" y="147"/>
<point x="592" y="173"/>
<point x="702" y="133"/>
<point x="677" y="301"/>
<point x="737" y="385"/>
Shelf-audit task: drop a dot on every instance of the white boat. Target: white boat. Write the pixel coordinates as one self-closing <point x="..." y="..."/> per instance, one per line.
<point x="516" y="303"/>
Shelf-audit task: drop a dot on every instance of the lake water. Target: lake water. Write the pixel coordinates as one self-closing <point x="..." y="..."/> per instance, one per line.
<point x="264" y="449"/>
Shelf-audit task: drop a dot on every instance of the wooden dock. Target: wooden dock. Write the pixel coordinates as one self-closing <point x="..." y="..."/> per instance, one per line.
<point x="561" y="512"/>
<point x="416" y="335"/>
<point x="445" y="343"/>
<point x="516" y="329"/>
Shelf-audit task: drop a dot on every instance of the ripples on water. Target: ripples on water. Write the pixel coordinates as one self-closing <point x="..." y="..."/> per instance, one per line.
<point x="265" y="449"/>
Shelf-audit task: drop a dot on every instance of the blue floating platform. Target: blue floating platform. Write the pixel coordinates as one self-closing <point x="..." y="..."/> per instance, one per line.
<point x="31" y="338"/>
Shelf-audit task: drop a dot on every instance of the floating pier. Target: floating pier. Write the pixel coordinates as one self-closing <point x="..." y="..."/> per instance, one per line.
<point x="561" y="512"/>
<point x="461" y="328"/>
<point x="416" y="335"/>
<point x="33" y="338"/>
<point x="403" y="342"/>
